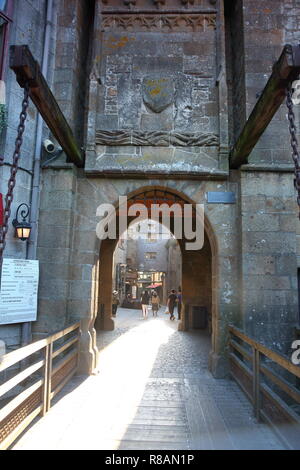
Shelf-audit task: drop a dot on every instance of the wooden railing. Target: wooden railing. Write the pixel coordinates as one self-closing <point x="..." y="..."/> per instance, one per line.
<point x="253" y="366"/>
<point x="34" y="375"/>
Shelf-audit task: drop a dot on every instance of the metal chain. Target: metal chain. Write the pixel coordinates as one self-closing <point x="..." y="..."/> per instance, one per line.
<point x="294" y="141"/>
<point x="13" y="172"/>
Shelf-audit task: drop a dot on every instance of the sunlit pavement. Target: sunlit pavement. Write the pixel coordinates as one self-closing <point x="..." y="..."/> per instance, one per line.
<point x="154" y="391"/>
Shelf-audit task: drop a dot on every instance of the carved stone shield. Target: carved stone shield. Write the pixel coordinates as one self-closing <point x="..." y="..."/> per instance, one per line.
<point x="158" y="93"/>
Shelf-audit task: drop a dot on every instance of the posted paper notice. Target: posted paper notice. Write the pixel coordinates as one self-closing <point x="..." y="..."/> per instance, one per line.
<point x="19" y="289"/>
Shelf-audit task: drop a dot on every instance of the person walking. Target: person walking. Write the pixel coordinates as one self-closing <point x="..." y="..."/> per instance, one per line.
<point x="171" y="303"/>
<point x="115" y="302"/>
<point x="145" y="302"/>
<point x="155" y="303"/>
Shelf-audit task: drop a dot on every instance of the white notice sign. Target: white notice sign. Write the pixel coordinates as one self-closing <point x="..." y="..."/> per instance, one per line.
<point x="19" y="288"/>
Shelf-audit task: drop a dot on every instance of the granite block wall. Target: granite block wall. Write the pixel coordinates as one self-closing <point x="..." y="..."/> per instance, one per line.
<point x="27" y="28"/>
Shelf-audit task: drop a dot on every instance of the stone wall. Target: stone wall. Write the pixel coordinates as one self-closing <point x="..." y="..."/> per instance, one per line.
<point x="174" y="279"/>
<point x="197" y="281"/>
<point x="269" y="223"/>
<point x="119" y="274"/>
<point x="249" y="260"/>
<point x="27" y="28"/>
<point x="270" y="296"/>
<point x="235" y="61"/>
<point x="68" y="62"/>
<point x="268" y="27"/>
<point x="56" y="234"/>
<point x="72" y="61"/>
<point x="155" y="106"/>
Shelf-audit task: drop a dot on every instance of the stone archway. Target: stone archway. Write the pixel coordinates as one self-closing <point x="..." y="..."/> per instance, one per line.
<point x="199" y="271"/>
<point x="75" y="276"/>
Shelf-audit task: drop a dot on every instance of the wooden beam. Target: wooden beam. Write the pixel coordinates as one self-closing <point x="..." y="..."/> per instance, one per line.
<point x="28" y="70"/>
<point x="285" y="70"/>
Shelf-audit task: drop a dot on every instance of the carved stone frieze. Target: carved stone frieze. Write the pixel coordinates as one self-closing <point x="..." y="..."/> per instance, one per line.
<point x="187" y="2"/>
<point x="159" y="22"/>
<point x="156" y="138"/>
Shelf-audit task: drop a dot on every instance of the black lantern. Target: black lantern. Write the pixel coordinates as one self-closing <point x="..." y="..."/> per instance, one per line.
<point x="23" y="228"/>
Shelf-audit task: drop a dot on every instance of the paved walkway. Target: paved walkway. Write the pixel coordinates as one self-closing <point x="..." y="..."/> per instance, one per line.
<point x="154" y="391"/>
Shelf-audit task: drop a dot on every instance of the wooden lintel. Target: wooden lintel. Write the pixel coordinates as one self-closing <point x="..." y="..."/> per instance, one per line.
<point x="27" y="70"/>
<point x="285" y="70"/>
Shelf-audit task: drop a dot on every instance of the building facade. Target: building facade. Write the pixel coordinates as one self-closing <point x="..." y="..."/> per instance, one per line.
<point x="156" y="93"/>
<point x="153" y="260"/>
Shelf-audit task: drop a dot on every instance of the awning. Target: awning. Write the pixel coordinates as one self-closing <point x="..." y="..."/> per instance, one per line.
<point x="153" y="286"/>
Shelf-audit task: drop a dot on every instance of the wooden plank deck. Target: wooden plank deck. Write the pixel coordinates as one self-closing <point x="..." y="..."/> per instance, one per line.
<point x="153" y="392"/>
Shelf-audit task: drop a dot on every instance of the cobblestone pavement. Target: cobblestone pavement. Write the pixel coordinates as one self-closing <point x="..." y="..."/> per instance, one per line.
<point x="153" y="391"/>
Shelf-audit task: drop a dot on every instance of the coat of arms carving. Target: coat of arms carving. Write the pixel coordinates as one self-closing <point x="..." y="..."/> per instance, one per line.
<point x="158" y="93"/>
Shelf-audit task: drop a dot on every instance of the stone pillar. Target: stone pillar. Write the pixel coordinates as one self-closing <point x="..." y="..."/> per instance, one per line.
<point x="223" y="234"/>
<point x="88" y="351"/>
<point x="183" y="324"/>
<point x="56" y="225"/>
<point x="104" y="320"/>
<point x="196" y="283"/>
<point x="68" y="262"/>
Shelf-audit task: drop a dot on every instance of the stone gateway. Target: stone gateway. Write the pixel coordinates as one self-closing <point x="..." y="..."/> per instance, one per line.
<point x="156" y="95"/>
<point x="178" y="103"/>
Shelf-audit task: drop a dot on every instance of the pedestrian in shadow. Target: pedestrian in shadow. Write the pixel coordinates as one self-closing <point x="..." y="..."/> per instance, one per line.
<point x="172" y="299"/>
<point x="115" y="302"/>
<point x="145" y="302"/>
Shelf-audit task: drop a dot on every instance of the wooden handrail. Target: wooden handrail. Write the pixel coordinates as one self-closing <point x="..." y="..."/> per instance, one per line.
<point x="281" y="382"/>
<point x="240" y="349"/>
<point x="269" y="353"/>
<point x="20" y="377"/>
<point x="18" y="413"/>
<point x="19" y="399"/>
<point x="268" y="404"/>
<point x="58" y="351"/>
<point x="18" y="355"/>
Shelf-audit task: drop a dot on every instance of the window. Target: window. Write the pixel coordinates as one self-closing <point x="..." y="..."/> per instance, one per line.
<point x="152" y="237"/>
<point x="150" y="255"/>
<point x="6" y="9"/>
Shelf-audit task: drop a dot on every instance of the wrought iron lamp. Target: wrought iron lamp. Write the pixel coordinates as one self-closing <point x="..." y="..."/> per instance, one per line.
<point x="23" y="228"/>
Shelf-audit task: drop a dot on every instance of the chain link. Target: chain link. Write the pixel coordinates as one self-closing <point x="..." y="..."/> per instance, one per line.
<point x="13" y="172"/>
<point x="294" y="141"/>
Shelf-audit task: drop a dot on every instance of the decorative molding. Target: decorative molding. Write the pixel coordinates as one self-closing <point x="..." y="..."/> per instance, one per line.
<point x="129" y="3"/>
<point x="156" y="138"/>
<point x="159" y="22"/>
